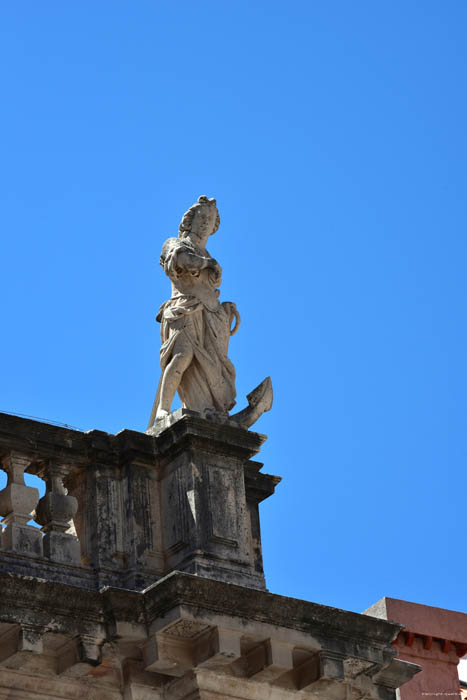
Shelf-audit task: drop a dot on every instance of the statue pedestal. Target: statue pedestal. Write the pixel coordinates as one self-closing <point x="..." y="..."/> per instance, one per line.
<point x="209" y="495"/>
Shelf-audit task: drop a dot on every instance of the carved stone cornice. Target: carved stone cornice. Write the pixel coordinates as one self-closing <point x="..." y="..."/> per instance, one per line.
<point x="185" y="627"/>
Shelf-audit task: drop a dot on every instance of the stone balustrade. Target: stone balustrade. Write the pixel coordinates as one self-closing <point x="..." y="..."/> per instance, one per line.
<point x="127" y="509"/>
<point x="20" y="505"/>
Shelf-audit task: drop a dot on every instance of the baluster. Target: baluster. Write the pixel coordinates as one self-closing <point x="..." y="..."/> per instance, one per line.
<point x="17" y="501"/>
<point x="54" y="512"/>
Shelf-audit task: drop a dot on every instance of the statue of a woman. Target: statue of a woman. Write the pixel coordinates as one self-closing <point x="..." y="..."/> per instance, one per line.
<point x="195" y="326"/>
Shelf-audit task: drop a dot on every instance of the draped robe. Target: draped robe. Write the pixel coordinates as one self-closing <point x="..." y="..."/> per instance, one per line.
<point x="194" y="316"/>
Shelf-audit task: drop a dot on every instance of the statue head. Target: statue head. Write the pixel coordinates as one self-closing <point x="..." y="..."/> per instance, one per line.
<point x="202" y="219"/>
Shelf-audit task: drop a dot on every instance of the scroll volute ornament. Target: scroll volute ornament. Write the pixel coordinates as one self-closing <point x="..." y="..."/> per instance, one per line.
<point x="56" y="508"/>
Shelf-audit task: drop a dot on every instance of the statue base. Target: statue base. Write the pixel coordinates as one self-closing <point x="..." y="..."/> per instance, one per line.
<point x="259" y="402"/>
<point x="210" y="491"/>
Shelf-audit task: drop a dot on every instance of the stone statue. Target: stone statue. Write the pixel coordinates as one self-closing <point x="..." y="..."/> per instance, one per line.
<point x="196" y="328"/>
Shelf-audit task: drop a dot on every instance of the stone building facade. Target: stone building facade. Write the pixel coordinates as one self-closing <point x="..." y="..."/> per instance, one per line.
<point x="145" y="579"/>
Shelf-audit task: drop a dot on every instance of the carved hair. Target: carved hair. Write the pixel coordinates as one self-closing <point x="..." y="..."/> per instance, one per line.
<point x="185" y="225"/>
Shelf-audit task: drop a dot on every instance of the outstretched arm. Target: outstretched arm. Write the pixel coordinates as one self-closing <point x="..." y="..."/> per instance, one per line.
<point x="177" y="258"/>
<point x="191" y="261"/>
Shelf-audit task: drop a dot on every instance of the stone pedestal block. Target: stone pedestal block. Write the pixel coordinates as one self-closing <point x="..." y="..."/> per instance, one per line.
<point x="182" y="498"/>
<point x="21" y="538"/>
<point x="209" y="513"/>
<point x="62" y="547"/>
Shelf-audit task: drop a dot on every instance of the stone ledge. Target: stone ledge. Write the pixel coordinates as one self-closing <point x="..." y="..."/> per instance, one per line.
<point x="185" y="427"/>
<point x="185" y="589"/>
<point x="37" y="439"/>
<point x="179" y="589"/>
<point x="186" y="629"/>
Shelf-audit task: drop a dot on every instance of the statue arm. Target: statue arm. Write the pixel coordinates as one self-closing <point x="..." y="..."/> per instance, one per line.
<point x="177" y="257"/>
<point x="191" y="261"/>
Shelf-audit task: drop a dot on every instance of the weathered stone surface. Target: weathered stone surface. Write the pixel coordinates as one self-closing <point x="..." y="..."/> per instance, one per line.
<point x="186" y="498"/>
<point x="55" y="511"/>
<point x="125" y="624"/>
<point x="188" y="635"/>
<point x="17" y="502"/>
<point x="211" y="524"/>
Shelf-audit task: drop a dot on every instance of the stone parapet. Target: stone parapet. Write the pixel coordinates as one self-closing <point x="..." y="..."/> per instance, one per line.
<point x="129" y="508"/>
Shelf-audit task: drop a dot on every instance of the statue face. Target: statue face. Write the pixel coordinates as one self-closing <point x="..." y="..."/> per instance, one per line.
<point x="204" y="221"/>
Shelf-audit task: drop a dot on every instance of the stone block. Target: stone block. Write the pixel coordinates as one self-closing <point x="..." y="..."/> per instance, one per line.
<point x="62" y="547"/>
<point x="22" y="539"/>
<point x="225" y="649"/>
<point x="30" y="639"/>
<point x="172" y="659"/>
<point x="278" y="661"/>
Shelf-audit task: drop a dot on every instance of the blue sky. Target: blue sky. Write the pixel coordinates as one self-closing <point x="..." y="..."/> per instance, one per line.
<point x="333" y="136"/>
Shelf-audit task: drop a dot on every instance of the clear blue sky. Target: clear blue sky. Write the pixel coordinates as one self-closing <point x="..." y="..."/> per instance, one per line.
<point x="333" y="135"/>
